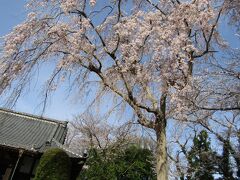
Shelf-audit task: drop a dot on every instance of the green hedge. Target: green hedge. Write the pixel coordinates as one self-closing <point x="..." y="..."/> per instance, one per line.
<point x="54" y="164"/>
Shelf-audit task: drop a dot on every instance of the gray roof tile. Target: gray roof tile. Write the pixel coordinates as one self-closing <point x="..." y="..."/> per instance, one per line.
<point x="29" y="132"/>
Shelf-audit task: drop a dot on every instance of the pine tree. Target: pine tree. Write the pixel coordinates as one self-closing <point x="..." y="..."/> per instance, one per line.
<point x="225" y="167"/>
<point x="201" y="158"/>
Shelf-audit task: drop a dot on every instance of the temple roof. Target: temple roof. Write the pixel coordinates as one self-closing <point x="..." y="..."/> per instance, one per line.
<point x="32" y="133"/>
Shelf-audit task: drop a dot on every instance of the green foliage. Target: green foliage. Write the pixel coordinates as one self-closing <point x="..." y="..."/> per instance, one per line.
<point x="54" y="165"/>
<point x="127" y="164"/>
<point x="201" y="158"/>
<point x="136" y="163"/>
<point x="224" y="165"/>
<point x="98" y="166"/>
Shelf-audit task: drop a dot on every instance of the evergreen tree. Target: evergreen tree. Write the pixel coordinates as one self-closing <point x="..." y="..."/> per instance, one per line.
<point x="238" y="153"/>
<point x="201" y="158"/>
<point x="136" y="163"/>
<point x="132" y="162"/>
<point x="224" y="166"/>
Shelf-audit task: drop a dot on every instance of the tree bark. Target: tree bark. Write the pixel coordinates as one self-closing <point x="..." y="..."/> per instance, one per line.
<point x="161" y="151"/>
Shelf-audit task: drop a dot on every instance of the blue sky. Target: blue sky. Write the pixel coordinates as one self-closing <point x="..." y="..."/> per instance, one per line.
<point x="12" y="12"/>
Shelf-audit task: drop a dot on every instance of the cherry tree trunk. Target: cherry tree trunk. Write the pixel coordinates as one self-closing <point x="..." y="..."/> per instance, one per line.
<point x="161" y="152"/>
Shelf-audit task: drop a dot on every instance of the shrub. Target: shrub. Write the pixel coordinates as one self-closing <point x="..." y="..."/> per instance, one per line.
<point x="54" y="165"/>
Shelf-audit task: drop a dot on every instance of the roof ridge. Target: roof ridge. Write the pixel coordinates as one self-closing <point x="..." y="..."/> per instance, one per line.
<point x="31" y="116"/>
<point x="67" y="149"/>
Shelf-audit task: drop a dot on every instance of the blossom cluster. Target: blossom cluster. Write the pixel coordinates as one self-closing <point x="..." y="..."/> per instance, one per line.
<point x="69" y="5"/>
<point x="140" y="47"/>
